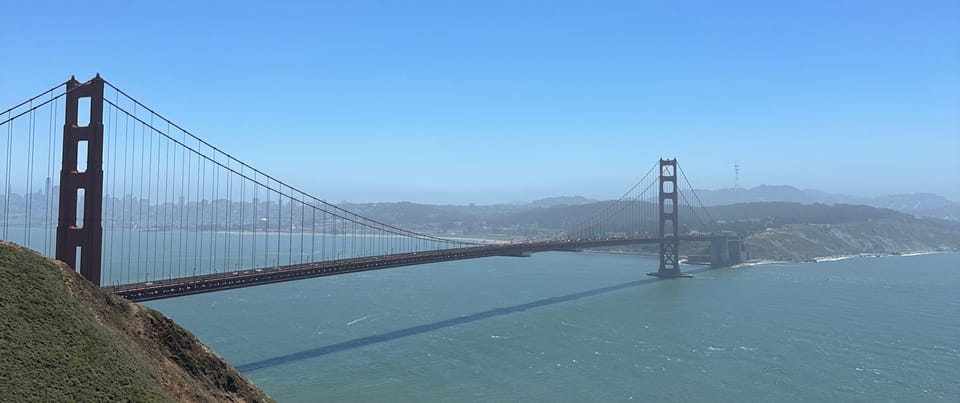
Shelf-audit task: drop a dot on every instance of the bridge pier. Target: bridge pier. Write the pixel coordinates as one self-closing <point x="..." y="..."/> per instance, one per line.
<point x="735" y="250"/>
<point x="719" y="252"/>
<point x="725" y="252"/>
<point x="670" y="274"/>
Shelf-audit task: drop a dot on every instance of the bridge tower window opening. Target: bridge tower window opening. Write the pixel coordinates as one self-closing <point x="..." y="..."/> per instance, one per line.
<point x="668" y="207"/>
<point x="667" y="187"/>
<point x="82" y="155"/>
<point x="84" y="111"/>
<point x="78" y="222"/>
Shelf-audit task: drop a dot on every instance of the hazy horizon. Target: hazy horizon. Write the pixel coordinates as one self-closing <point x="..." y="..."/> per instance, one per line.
<point x="499" y="101"/>
<point x="450" y="198"/>
<point x="526" y="195"/>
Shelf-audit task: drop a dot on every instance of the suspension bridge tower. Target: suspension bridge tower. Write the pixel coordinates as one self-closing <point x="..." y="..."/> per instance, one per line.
<point x="669" y="225"/>
<point x="81" y="242"/>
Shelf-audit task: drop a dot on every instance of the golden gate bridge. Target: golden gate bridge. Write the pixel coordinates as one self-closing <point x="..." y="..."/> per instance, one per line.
<point x="148" y="210"/>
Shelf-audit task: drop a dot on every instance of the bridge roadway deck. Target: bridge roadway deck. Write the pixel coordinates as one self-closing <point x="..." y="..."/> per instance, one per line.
<point x="215" y="282"/>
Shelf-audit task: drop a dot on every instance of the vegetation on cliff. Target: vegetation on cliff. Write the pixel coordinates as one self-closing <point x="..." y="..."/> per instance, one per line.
<point x="63" y="339"/>
<point x="806" y="241"/>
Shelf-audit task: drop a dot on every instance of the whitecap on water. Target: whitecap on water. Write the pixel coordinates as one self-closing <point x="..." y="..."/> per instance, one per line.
<point x="357" y="320"/>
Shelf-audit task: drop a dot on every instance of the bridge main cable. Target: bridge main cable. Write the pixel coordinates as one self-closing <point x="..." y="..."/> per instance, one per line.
<point x="343" y="212"/>
<point x="604" y="217"/>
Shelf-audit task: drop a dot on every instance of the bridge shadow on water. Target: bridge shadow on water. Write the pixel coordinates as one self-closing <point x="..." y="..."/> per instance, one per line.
<point x="410" y="331"/>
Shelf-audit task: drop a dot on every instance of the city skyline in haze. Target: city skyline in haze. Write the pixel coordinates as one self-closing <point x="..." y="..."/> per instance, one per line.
<point x="494" y="102"/>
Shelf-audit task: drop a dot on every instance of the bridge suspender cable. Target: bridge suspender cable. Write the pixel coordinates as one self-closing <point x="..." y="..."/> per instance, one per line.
<point x="215" y="149"/>
<point x="176" y="214"/>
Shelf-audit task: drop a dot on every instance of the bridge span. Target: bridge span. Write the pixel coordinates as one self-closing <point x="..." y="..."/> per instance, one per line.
<point x="185" y="217"/>
<point x="146" y="291"/>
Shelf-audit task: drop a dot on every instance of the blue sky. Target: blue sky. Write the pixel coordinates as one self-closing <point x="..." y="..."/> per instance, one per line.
<point x="495" y="101"/>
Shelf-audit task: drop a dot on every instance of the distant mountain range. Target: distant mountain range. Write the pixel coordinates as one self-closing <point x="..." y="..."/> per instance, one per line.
<point x="918" y="204"/>
<point x="554" y="212"/>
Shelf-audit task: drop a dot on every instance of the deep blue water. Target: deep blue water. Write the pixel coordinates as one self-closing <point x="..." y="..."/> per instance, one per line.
<point x="580" y="326"/>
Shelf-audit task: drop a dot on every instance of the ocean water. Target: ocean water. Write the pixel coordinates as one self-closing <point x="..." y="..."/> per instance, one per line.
<point x="592" y="327"/>
<point x="131" y="255"/>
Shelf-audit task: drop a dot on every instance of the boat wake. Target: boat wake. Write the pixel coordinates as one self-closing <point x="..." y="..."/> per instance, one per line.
<point x="350" y="323"/>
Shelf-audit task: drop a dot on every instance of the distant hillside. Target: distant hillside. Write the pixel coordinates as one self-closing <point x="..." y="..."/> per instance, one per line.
<point x="64" y="340"/>
<point x="806" y="241"/>
<point x="743" y="216"/>
<point x="757" y="216"/>
<point x="780" y="230"/>
<point x="794" y="231"/>
<point x="445" y="218"/>
<point x="561" y="201"/>
<point x="435" y="218"/>
<point x="773" y="230"/>
<point x="919" y="204"/>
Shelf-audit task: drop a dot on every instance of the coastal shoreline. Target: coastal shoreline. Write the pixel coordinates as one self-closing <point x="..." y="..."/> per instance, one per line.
<point x="836" y="258"/>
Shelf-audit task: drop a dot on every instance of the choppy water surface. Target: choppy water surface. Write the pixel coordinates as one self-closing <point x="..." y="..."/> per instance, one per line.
<point x="578" y="326"/>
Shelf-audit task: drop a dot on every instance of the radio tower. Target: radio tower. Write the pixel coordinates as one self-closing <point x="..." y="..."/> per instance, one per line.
<point x="736" y="174"/>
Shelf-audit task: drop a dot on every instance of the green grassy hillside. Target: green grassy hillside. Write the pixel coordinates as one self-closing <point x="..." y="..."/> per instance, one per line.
<point x="62" y="339"/>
